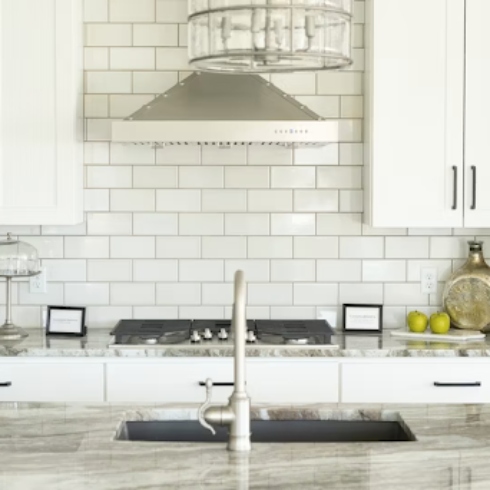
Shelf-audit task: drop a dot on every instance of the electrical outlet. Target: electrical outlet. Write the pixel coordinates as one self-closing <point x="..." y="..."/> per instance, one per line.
<point x="38" y="284"/>
<point x="428" y="279"/>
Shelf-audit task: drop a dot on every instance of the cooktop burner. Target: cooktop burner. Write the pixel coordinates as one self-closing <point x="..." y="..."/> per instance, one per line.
<point x="272" y="332"/>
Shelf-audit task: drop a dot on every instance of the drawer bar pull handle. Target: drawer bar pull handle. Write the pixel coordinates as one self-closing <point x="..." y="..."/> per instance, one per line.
<point x="437" y="383"/>
<point x="202" y="383"/>
<point x="6" y="384"/>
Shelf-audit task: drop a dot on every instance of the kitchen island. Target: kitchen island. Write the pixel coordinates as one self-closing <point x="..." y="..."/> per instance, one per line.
<point x="46" y="447"/>
<point x="97" y="344"/>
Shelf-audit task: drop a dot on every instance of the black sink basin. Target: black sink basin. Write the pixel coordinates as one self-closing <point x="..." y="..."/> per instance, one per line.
<point x="313" y="431"/>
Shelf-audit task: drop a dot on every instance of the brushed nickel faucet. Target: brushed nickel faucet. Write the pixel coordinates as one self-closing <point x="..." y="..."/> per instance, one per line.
<point x="235" y="415"/>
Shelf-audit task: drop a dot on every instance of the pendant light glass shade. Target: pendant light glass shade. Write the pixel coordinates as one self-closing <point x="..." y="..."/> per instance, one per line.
<point x="263" y="36"/>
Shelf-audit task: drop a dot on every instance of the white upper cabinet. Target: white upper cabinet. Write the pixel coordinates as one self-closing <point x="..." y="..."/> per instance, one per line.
<point x="415" y="79"/>
<point x="477" y="124"/>
<point x="41" y="117"/>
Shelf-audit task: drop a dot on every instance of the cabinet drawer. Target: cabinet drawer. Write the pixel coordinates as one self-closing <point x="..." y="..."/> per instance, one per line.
<point x="52" y="382"/>
<point x="292" y="381"/>
<point x="423" y="382"/>
<point x="168" y="381"/>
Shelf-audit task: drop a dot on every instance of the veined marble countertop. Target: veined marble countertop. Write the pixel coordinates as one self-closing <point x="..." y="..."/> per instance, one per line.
<point x="57" y="447"/>
<point x="96" y="344"/>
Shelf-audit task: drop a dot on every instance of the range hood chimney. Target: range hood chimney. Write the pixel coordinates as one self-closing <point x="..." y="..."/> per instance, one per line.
<point x="219" y="109"/>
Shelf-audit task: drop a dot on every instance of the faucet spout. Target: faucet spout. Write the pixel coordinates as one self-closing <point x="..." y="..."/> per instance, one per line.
<point x="239" y="327"/>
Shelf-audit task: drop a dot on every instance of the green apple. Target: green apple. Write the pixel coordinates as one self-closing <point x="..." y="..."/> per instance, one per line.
<point x="417" y="321"/>
<point x="440" y="322"/>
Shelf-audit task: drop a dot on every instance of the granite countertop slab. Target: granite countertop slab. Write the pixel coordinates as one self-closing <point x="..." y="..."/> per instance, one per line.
<point x="97" y="344"/>
<point x="46" y="447"/>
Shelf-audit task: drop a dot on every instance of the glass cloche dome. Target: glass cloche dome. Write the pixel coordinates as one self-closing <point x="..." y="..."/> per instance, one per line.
<point x="17" y="259"/>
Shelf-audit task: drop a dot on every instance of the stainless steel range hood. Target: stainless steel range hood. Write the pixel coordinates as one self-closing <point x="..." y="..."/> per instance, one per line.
<point x="218" y="109"/>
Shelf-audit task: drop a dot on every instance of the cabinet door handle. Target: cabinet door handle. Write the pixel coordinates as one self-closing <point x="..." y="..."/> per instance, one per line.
<point x="202" y="383"/>
<point x="455" y="188"/>
<point x="446" y="385"/>
<point x="473" y="171"/>
<point x="6" y="384"/>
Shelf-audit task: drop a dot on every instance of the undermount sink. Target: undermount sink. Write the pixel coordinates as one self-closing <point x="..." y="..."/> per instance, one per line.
<point x="270" y="431"/>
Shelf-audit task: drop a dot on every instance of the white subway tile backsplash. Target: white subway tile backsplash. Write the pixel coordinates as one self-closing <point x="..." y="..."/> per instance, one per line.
<point x="201" y="270"/>
<point x="172" y="59"/>
<point x="324" y="105"/>
<point x="414" y="269"/>
<point x="341" y="177"/>
<point x="316" y="294"/>
<point x="183" y="34"/>
<point x="132" y="59"/>
<point x="255" y="270"/>
<point x="96" y="153"/>
<point x="270" y="200"/>
<point x="217" y="294"/>
<point x="96" y="59"/>
<point x="404" y="295"/>
<point x="132" y="11"/>
<point x="293" y="312"/>
<point x="301" y="83"/>
<point x="407" y="247"/>
<point x="99" y="129"/>
<point x="106" y="82"/>
<point x="153" y="82"/>
<point x="178" y="293"/>
<point x="361" y="247"/>
<point x="247" y="224"/>
<point x="322" y="155"/>
<point x="316" y="247"/>
<point x="96" y="106"/>
<point x="132" y="293"/>
<point x="132" y="247"/>
<point x="384" y="270"/>
<point x="87" y="247"/>
<point x="178" y="200"/>
<point x="155" y="270"/>
<point x="112" y="270"/>
<point x="179" y="247"/>
<point x="201" y="224"/>
<point x="109" y="177"/>
<point x="339" y="83"/>
<point x="338" y="224"/>
<point x="338" y="270"/>
<point x="155" y="177"/>
<point x="224" y="200"/>
<point x="65" y="270"/>
<point x="293" y="224"/>
<point x="293" y="177"/>
<point x="316" y="200"/>
<point x="448" y="247"/>
<point x="270" y="247"/>
<point x="292" y="270"/>
<point x="54" y="295"/>
<point x="351" y="106"/>
<point x="202" y="312"/>
<point x="132" y="200"/>
<point x="222" y="155"/>
<point x="270" y="294"/>
<point x="156" y="312"/>
<point x="351" y="153"/>
<point x="201" y="177"/>
<point x="108" y="35"/>
<point x="171" y="11"/>
<point x="109" y="224"/>
<point x="124" y="105"/>
<point x="87" y="293"/>
<point x="351" y="201"/>
<point x="179" y="155"/>
<point x="128" y="154"/>
<point x="371" y="293"/>
<point x="48" y="247"/>
<point x="107" y="316"/>
<point x="155" y="224"/>
<point x="350" y="130"/>
<point x="370" y="231"/>
<point x="155" y="34"/>
<point x="95" y="10"/>
<point x="80" y="229"/>
<point x="96" y="199"/>
<point x="270" y="155"/>
<point x="246" y="177"/>
<point x="224" y="247"/>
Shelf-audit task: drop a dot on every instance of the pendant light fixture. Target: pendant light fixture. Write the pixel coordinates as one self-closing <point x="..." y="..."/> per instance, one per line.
<point x="268" y="36"/>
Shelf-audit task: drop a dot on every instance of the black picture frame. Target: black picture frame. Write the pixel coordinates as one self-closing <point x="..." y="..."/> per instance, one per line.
<point x="346" y="328"/>
<point x="51" y="329"/>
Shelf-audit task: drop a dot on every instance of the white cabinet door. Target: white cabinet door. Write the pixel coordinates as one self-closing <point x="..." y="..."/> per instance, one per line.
<point x="32" y="381"/>
<point x="414" y="113"/>
<point x="41" y="117"/>
<point x="477" y="130"/>
<point x="414" y="381"/>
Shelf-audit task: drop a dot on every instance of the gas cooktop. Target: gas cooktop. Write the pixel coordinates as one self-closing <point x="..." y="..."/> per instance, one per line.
<point x="218" y="332"/>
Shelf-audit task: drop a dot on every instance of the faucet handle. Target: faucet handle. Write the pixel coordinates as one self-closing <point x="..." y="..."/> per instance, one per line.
<point x="205" y="405"/>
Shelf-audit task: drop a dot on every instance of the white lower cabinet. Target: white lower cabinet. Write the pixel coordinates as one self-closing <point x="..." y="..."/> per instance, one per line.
<point x="53" y="381"/>
<point x="416" y="381"/>
<point x="178" y="381"/>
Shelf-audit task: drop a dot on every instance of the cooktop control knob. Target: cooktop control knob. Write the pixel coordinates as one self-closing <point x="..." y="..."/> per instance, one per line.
<point x="251" y="336"/>
<point x="195" y="337"/>
<point x="208" y="335"/>
<point x="222" y="334"/>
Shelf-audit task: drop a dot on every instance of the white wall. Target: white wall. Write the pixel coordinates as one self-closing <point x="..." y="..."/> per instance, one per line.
<point x="165" y="229"/>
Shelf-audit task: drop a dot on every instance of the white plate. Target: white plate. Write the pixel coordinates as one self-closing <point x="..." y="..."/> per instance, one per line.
<point x="452" y="335"/>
